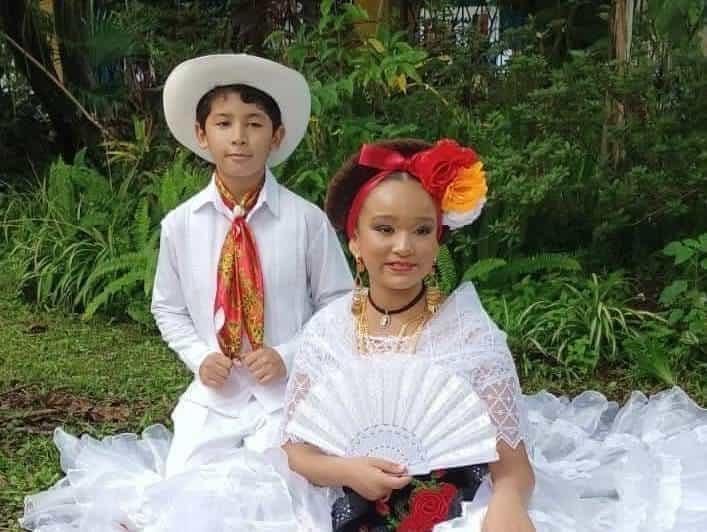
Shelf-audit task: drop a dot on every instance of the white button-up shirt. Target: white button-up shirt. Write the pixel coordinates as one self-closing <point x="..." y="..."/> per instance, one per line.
<point x="303" y="266"/>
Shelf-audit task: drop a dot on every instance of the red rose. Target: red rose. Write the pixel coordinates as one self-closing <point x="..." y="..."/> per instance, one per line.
<point x="449" y="491"/>
<point x="439" y="165"/>
<point x="413" y="524"/>
<point x="382" y="507"/>
<point x="428" y="508"/>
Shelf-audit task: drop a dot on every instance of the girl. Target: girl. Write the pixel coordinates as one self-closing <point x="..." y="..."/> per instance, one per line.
<point x="392" y="199"/>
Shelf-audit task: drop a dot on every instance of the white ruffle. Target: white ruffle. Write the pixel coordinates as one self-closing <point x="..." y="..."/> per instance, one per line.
<point x="641" y="468"/>
<point x="118" y="484"/>
<point x="598" y="468"/>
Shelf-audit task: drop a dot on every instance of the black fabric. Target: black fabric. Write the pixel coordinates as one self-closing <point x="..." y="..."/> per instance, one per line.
<point x="353" y="513"/>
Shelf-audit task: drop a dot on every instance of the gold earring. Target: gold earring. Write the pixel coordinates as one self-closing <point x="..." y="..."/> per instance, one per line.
<point x="359" y="293"/>
<point x="433" y="295"/>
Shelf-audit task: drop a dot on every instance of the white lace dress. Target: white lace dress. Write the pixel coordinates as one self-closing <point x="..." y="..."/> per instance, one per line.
<point x="598" y="467"/>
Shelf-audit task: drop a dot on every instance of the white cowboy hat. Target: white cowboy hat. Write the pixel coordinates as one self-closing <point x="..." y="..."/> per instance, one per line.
<point x="190" y="80"/>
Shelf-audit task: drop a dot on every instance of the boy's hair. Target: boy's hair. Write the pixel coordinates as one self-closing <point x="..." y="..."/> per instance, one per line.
<point x="248" y="94"/>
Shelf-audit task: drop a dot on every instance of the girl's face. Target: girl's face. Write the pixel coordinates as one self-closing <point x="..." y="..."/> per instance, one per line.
<point x="396" y="235"/>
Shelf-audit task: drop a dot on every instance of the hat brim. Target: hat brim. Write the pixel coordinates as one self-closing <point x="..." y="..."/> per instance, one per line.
<point x="190" y="80"/>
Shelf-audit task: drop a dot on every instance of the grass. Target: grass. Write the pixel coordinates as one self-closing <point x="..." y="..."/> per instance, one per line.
<point x="95" y="377"/>
<point x="100" y="377"/>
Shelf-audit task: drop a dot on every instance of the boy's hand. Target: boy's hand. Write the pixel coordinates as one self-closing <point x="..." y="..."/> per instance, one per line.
<point x="215" y="369"/>
<point x="265" y="364"/>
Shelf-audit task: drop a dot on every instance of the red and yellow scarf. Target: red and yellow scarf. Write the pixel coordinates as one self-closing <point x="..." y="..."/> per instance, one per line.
<point x="239" y="284"/>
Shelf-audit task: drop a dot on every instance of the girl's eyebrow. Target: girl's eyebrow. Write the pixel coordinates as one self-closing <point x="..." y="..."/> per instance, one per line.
<point x="387" y="217"/>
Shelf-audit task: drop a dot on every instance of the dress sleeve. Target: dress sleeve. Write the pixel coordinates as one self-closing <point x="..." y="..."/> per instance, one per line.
<point x="487" y="361"/>
<point x="312" y="356"/>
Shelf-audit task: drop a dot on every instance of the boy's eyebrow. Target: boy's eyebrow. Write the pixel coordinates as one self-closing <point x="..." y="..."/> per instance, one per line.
<point x="255" y="114"/>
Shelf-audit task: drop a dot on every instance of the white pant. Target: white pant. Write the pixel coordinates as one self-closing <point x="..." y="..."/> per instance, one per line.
<point x="201" y="433"/>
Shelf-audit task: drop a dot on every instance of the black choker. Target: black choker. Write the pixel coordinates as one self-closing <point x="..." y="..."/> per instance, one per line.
<point x="385" y="319"/>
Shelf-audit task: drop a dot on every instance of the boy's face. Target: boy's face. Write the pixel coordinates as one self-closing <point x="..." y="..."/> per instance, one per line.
<point x="239" y="137"/>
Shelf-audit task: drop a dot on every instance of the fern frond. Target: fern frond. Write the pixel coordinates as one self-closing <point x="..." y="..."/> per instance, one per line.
<point x="118" y="285"/>
<point x="446" y="269"/>
<point x="545" y="262"/>
<point x="133" y="262"/>
<point x="480" y="270"/>
<point x="141" y="224"/>
<point x="150" y="270"/>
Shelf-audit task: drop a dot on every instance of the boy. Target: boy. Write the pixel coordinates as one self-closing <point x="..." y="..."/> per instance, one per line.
<point x="244" y="263"/>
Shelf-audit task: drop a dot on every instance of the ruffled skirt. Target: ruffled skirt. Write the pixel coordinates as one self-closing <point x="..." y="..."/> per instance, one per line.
<point x="598" y="468"/>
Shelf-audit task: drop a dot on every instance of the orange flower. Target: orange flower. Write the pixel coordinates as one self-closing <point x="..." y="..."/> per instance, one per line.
<point x="467" y="190"/>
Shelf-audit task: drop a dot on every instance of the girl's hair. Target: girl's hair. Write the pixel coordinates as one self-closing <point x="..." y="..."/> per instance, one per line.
<point x="351" y="176"/>
<point x="248" y="94"/>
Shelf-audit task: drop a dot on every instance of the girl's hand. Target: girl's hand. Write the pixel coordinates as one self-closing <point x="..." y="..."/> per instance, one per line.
<point x="506" y="513"/>
<point x="374" y="478"/>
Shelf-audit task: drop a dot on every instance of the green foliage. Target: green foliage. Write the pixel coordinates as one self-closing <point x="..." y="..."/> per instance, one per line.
<point x="678" y="21"/>
<point x="84" y="245"/>
<point x="447" y="270"/>
<point x="685" y="298"/>
<point x="577" y="323"/>
<point x="497" y="272"/>
<point x="555" y="208"/>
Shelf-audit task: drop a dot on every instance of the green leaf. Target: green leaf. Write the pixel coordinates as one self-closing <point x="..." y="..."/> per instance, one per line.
<point x="675" y="316"/>
<point x="377" y="45"/>
<point x="673" y="249"/>
<point x="684" y="255"/>
<point x="703" y="242"/>
<point x="671" y="292"/>
<point x="482" y="268"/>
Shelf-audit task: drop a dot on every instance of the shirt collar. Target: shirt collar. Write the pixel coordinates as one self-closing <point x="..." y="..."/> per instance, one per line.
<point x="269" y="196"/>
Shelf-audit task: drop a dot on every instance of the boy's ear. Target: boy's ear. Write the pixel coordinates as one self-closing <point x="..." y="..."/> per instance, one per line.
<point x="277" y="137"/>
<point x="200" y="136"/>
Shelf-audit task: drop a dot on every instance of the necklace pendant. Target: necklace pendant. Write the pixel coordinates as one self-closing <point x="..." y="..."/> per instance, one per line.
<point x="385" y="321"/>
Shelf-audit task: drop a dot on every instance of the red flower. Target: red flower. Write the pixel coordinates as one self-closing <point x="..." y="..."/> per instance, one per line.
<point x="428" y="508"/>
<point x="440" y="165"/>
<point x="382" y="507"/>
<point x="439" y="473"/>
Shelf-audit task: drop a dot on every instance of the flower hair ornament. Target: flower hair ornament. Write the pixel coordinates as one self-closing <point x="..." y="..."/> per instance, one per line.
<point x="452" y="174"/>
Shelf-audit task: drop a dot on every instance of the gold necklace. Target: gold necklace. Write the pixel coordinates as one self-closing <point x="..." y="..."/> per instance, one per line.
<point x="361" y="329"/>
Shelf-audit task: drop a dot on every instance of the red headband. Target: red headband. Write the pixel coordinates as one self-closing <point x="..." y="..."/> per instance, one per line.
<point x="435" y="168"/>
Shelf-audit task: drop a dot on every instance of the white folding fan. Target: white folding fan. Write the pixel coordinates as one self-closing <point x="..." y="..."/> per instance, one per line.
<point x="412" y="413"/>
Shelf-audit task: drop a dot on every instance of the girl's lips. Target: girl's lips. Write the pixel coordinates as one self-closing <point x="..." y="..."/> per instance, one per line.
<point x="401" y="267"/>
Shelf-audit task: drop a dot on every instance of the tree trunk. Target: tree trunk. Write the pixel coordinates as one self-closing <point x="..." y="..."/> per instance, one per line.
<point x="71" y="18"/>
<point x="621" y="30"/>
<point x="73" y="131"/>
